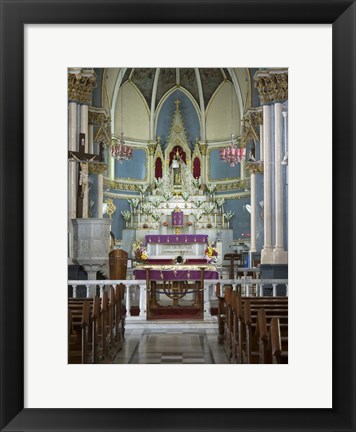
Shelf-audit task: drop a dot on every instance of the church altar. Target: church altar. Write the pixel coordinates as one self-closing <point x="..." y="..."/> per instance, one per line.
<point x="177" y="238"/>
<point x="170" y="246"/>
<point x="176" y="272"/>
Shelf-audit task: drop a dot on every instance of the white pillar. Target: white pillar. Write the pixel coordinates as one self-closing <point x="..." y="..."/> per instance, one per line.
<point x="100" y="195"/>
<point x="128" y="301"/>
<point x="84" y="128"/>
<point x="111" y="166"/>
<point x="242" y="170"/>
<point x="267" y="251"/>
<point x="253" y="212"/>
<point x="142" y="301"/>
<point x="279" y="254"/>
<point x="207" y="305"/>
<point x="261" y="143"/>
<point x="72" y="172"/>
<point x="91" y="139"/>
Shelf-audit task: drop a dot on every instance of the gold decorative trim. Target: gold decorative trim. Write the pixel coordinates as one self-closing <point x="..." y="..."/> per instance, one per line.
<point x="203" y="148"/>
<point x="251" y="126"/>
<point x="272" y="85"/>
<point x="81" y="85"/>
<point x="237" y="185"/>
<point x="255" y="167"/>
<point x="98" y="168"/>
<point x="113" y="184"/>
<point x="98" y="116"/>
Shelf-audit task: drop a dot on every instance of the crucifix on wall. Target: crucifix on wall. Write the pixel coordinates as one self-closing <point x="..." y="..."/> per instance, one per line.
<point x="83" y="159"/>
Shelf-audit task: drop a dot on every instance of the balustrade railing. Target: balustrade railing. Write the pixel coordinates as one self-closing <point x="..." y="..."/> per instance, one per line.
<point x="243" y="285"/>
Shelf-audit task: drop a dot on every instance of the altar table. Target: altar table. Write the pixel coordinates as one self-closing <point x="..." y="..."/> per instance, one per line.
<point x="176" y="238"/>
<point x="176" y="272"/>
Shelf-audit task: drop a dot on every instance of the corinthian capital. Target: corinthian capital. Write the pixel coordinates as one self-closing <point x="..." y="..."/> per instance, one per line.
<point x="81" y="83"/>
<point x="272" y="85"/>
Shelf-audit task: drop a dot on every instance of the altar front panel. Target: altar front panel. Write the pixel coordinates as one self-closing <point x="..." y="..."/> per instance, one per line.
<point x="184" y="272"/>
<point x="170" y="246"/>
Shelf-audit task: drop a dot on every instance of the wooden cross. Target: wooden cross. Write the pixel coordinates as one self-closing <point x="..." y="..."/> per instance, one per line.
<point x="83" y="159"/>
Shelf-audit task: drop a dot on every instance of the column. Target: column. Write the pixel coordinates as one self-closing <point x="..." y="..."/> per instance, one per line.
<point x="203" y="169"/>
<point x="253" y="212"/>
<point x="100" y="195"/>
<point x="279" y="254"/>
<point x="111" y="166"/>
<point x="242" y="169"/>
<point x="91" y="139"/>
<point x="151" y="168"/>
<point x="142" y="301"/>
<point x="72" y="173"/>
<point x="84" y="128"/>
<point x="267" y="251"/>
<point x="261" y="142"/>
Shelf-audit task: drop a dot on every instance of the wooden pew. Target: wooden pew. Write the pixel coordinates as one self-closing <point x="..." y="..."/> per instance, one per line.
<point x="104" y="327"/>
<point x="78" y="334"/>
<point x="250" y="338"/>
<point x="221" y="314"/>
<point x="278" y="345"/>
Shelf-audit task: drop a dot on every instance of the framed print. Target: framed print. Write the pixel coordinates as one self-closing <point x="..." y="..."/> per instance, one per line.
<point x="39" y="390"/>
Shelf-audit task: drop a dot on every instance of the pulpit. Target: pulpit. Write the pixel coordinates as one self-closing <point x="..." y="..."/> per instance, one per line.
<point x="118" y="264"/>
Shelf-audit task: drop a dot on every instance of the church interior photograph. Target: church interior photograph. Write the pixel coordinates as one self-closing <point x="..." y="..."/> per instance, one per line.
<point x="177" y="215"/>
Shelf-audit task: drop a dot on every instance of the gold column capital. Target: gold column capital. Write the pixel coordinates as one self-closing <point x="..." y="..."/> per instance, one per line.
<point x="203" y="148"/>
<point x="255" y="167"/>
<point x="272" y="85"/>
<point x="81" y="83"/>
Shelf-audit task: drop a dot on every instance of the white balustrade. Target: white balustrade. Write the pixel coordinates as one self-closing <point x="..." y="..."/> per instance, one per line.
<point x="209" y="294"/>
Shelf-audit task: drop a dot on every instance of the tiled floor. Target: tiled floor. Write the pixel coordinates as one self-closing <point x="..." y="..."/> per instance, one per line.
<point x="171" y="346"/>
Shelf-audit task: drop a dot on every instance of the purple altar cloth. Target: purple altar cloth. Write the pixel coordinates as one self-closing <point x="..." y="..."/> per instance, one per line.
<point x="176" y="274"/>
<point x="177" y="238"/>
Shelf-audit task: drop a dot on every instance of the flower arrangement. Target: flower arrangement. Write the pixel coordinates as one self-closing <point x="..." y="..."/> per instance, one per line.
<point x="146" y="208"/>
<point x="139" y="251"/>
<point x="220" y="202"/>
<point x="143" y="188"/>
<point x="197" y="202"/>
<point x="211" y="187"/>
<point x="185" y="195"/>
<point x="155" y="216"/>
<point x="197" y="216"/>
<point x="126" y="214"/>
<point x="196" y="182"/>
<point x="211" y="254"/>
<point x="228" y="215"/>
<point x="158" y="182"/>
<point x="133" y="202"/>
<point x="167" y="195"/>
<point x="208" y="207"/>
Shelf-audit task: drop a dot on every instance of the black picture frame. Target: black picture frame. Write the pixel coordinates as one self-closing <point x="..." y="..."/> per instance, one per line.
<point x="14" y="15"/>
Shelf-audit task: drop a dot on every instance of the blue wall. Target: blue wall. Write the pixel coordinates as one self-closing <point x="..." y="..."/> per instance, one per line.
<point x="117" y="222"/>
<point x="189" y="115"/>
<point x="220" y="169"/>
<point x="241" y="221"/>
<point x="134" y="168"/>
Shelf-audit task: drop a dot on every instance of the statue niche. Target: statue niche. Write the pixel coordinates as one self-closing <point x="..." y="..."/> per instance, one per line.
<point x="177" y="153"/>
<point x="176" y="158"/>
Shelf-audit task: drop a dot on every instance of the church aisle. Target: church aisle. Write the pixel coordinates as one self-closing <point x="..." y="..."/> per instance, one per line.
<point x="171" y="346"/>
